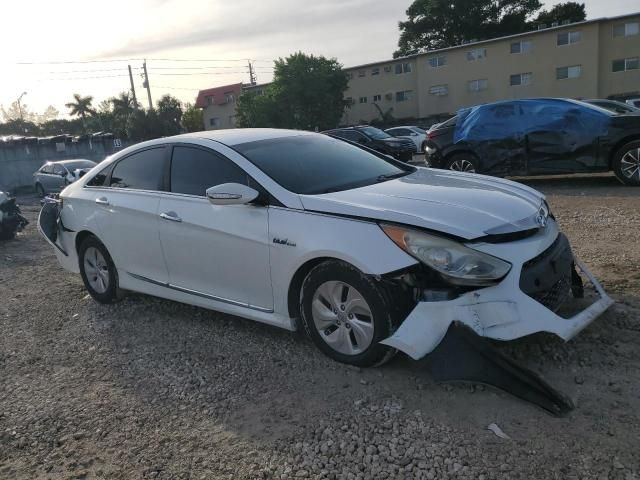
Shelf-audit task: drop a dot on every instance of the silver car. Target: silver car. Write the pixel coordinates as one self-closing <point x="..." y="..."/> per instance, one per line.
<point x="54" y="176"/>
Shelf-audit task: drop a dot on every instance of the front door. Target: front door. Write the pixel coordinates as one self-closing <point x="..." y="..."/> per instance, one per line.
<point x="217" y="251"/>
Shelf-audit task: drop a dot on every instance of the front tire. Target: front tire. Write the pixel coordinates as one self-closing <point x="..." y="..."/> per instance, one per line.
<point x="462" y="162"/>
<point x="346" y="315"/>
<point x="626" y="163"/>
<point x="98" y="271"/>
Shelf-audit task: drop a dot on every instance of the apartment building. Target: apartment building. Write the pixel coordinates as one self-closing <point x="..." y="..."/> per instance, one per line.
<point x="590" y="59"/>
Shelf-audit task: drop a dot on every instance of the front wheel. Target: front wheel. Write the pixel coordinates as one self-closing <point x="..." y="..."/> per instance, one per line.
<point x="345" y="314"/>
<point x="626" y="164"/>
<point x="462" y="162"/>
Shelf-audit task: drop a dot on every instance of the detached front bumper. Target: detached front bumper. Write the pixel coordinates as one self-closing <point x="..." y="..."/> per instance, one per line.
<point x="501" y="312"/>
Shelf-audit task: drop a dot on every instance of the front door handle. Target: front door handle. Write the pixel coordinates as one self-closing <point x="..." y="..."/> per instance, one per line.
<point x="102" y="201"/>
<point x="171" y="216"/>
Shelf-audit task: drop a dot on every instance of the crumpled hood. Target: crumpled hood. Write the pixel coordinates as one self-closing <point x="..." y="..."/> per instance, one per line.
<point x="461" y="204"/>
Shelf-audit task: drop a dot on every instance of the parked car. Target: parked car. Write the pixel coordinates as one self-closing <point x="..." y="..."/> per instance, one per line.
<point x="376" y="139"/>
<point x="301" y="230"/>
<point x="54" y="176"/>
<point x="634" y="102"/>
<point x="613" y="105"/>
<point x="416" y="134"/>
<point x="538" y="137"/>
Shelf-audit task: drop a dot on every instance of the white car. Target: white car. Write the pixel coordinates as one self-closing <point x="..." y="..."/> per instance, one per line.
<point x="634" y="102"/>
<point x="300" y="230"/>
<point x="416" y="134"/>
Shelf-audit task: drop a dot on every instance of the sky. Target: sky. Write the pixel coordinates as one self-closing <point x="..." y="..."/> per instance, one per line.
<point x="188" y="44"/>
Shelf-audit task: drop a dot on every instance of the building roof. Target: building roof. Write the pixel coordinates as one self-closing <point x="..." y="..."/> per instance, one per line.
<point x="218" y="94"/>
<point x="495" y="39"/>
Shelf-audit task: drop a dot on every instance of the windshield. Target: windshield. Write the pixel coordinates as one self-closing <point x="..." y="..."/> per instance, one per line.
<point x="374" y="133"/>
<point x="315" y="164"/>
<point x="71" y="166"/>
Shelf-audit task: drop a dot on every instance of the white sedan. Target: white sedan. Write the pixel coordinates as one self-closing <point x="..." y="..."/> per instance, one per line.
<point x="416" y="134"/>
<point x="300" y="230"/>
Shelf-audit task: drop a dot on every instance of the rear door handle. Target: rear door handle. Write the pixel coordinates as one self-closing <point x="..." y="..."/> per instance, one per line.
<point x="171" y="216"/>
<point x="102" y="201"/>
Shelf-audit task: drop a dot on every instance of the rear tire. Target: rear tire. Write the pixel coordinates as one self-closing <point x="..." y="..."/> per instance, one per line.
<point x="626" y="164"/>
<point x="346" y="315"/>
<point x="40" y="190"/>
<point x="462" y="162"/>
<point x="98" y="271"/>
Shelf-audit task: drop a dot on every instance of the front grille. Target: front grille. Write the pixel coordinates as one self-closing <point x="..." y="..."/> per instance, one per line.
<point x="547" y="277"/>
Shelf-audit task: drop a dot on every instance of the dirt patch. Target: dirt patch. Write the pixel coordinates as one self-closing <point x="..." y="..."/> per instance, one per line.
<point x="154" y="389"/>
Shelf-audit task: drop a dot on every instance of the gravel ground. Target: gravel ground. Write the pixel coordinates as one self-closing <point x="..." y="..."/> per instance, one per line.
<point x="154" y="389"/>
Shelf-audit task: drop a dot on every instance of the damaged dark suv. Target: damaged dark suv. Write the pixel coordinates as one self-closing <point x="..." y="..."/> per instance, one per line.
<point x="538" y="137"/>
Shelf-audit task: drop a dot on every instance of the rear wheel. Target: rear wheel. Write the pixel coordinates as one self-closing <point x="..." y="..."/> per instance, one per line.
<point x="345" y="314"/>
<point x="98" y="271"/>
<point x="462" y="162"/>
<point x="626" y="164"/>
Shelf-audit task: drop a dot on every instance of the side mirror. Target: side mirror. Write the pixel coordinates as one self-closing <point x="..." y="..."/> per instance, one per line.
<point x="231" y="194"/>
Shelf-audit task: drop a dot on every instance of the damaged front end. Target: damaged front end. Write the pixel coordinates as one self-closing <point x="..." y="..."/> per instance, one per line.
<point x="11" y="219"/>
<point x="531" y="298"/>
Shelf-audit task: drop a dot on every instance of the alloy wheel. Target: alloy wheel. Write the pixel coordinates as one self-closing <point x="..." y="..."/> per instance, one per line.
<point x="630" y="164"/>
<point x="342" y="317"/>
<point x="462" y="165"/>
<point x="96" y="270"/>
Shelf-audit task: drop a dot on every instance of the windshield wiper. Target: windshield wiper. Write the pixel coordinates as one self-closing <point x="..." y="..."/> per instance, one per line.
<point x="391" y="176"/>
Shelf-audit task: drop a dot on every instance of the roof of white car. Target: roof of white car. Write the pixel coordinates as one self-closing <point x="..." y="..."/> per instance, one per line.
<point x="236" y="136"/>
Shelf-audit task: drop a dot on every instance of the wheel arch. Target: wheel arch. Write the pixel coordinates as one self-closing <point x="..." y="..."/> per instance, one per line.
<point x="81" y="236"/>
<point x="619" y="144"/>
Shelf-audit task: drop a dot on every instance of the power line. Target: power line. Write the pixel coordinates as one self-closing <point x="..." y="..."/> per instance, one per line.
<point x="201" y="68"/>
<point x="120" y="60"/>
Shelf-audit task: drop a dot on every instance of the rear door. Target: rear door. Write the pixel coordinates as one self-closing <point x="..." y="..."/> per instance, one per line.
<point x="126" y="210"/>
<point x="58" y="179"/>
<point x="220" y="252"/>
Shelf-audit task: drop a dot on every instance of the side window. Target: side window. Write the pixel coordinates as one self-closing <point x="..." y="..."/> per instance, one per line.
<point x="194" y="170"/>
<point x="58" y="169"/>
<point x="140" y="171"/>
<point x="100" y="178"/>
<point x="47" y="168"/>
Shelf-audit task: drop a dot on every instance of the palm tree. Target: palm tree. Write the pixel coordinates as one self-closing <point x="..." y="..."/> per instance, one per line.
<point x="123" y="105"/>
<point x="81" y="107"/>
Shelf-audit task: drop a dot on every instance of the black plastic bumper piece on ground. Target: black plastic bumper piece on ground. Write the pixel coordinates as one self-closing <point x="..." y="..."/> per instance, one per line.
<point x="465" y="356"/>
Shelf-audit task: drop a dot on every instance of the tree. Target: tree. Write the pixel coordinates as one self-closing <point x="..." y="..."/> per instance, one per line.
<point x="17" y="112"/>
<point x="192" y="118"/>
<point x="81" y="106"/>
<point x="434" y="24"/>
<point x="50" y="113"/>
<point x="169" y="115"/>
<point x="307" y="92"/>
<point x="562" y="12"/>
<point x="123" y="105"/>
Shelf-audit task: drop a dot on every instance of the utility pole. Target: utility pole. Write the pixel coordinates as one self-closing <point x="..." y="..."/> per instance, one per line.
<point x="20" y="106"/>
<point x="252" y="75"/>
<point x="133" y="89"/>
<point x="146" y="84"/>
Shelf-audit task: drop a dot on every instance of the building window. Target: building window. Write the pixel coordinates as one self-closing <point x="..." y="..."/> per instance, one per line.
<point x="387" y="69"/>
<point x="362" y="73"/>
<point x="626" y="29"/>
<point x="624" y="64"/>
<point x="477" y="85"/>
<point x="573" y="71"/>
<point x="520" y="79"/>
<point x="377" y="98"/>
<point x="568" y="38"/>
<point x="403" y="68"/>
<point x="439" y="90"/>
<point x="476" y="54"/>
<point x="363" y="99"/>
<point x="349" y="76"/>
<point x="436" y="62"/>
<point x="210" y="100"/>
<point x="375" y="71"/>
<point x="403" y="96"/>
<point x="214" y="122"/>
<point x="521" y="47"/>
<point x="229" y="97"/>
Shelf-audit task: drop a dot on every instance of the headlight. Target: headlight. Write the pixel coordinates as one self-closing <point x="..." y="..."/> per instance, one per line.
<point x="459" y="264"/>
